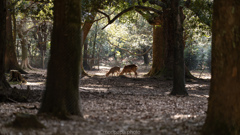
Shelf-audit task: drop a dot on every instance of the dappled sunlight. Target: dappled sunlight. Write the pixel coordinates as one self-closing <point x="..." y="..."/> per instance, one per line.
<point x="97" y="89"/>
<point x="35" y="83"/>
<point x="201" y="75"/>
<point x="183" y="116"/>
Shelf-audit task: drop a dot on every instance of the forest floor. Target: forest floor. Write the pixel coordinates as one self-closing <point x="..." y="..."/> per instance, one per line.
<point x="115" y="106"/>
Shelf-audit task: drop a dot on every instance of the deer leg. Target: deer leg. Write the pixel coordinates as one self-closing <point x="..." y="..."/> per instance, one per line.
<point x="135" y="74"/>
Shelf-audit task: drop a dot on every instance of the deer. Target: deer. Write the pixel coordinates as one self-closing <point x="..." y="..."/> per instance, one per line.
<point x="113" y="70"/>
<point x="129" y="69"/>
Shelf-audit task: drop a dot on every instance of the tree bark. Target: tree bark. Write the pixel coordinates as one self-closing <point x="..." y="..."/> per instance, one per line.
<point x="86" y="28"/>
<point x="145" y="56"/>
<point x="158" y="50"/>
<point x="179" y="69"/>
<point x="163" y="47"/>
<point x="223" y="106"/>
<point x="22" y="35"/>
<point x="94" y="47"/>
<point x="3" y="82"/>
<point x="10" y="54"/>
<point x="85" y="56"/>
<point x="61" y="97"/>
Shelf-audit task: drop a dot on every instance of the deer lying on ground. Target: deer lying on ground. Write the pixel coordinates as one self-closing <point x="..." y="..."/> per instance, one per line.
<point x="113" y="70"/>
<point x="129" y="69"/>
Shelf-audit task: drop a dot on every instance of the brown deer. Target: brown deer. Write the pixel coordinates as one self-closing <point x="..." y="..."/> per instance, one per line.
<point x="113" y="70"/>
<point x="129" y="69"/>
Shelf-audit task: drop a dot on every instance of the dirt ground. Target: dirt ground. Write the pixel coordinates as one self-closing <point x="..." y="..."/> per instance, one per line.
<point x="116" y="106"/>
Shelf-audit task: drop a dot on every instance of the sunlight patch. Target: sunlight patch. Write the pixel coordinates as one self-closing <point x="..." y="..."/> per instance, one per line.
<point x="183" y="116"/>
<point x="34" y="83"/>
<point x="94" y="89"/>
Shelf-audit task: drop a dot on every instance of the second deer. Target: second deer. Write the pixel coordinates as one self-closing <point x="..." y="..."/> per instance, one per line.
<point x="113" y="70"/>
<point x="129" y="69"/>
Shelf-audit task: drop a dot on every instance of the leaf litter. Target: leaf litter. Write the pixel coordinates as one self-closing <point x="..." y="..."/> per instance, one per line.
<point x="117" y="105"/>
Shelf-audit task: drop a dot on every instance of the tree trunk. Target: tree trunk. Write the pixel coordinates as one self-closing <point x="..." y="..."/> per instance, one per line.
<point x="14" y="26"/>
<point x="25" y="63"/>
<point x="163" y="48"/>
<point x="223" y="107"/>
<point x="85" y="56"/>
<point x="3" y="82"/>
<point x="158" y="50"/>
<point x="145" y="56"/>
<point x="179" y="69"/>
<point x="86" y="28"/>
<point x="94" y="47"/>
<point x="10" y="54"/>
<point x="61" y="97"/>
<point x="22" y="36"/>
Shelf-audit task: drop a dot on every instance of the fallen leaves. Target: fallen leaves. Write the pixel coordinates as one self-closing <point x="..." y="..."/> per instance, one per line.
<point x="123" y="105"/>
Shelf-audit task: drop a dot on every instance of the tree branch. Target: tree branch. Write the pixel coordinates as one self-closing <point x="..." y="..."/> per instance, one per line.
<point x="129" y="51"/>
<point x="129" y="9"/>
<point x="104" y="14"/>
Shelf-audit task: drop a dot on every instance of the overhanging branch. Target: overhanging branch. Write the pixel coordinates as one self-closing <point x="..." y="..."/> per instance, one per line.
<point x="129" y="9"/>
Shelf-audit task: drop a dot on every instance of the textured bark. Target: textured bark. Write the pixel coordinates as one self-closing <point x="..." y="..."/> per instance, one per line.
<point x="61" y="97"/>
<point x="224" y="103"/>
<point x="3" y="83"/>
<point x="163" y="47"/>
<point x="21" y="34"/>
<point x="179" y="67"/>
<point x="158" y="51"/>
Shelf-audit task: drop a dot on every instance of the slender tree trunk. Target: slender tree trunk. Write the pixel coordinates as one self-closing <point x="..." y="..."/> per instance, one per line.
<point x="86" y="28"/>
<point x="3" y="82"/>
<point x="21" y="34"/>
<point x="85" y="56"/>
<point x="224" y="103"/>
<point x="94" y="47"/>
<point x="61" y="97"/>
<point x="145" y="56"/>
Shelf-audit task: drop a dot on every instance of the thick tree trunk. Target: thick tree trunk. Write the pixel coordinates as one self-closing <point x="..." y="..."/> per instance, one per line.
<point x="163" y="48"/>
<point x="224" y="103"/>
<point x="179" y="68"/>
<point x="10" y="54"/>
<point x="61" y="97"/>
<point x="158" y="51"/>
<point x="3" y="82"/>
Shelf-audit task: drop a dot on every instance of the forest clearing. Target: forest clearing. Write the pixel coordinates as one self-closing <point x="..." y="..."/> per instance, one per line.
<point x="119" y="67"/>
<point x="116" y="105"/>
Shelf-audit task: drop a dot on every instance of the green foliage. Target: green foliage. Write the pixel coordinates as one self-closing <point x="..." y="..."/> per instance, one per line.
<point x="197" y="54"/>
<point x="131" y="36"/>
<point x="203" y="10"/>
<point x="41" y="10"/>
